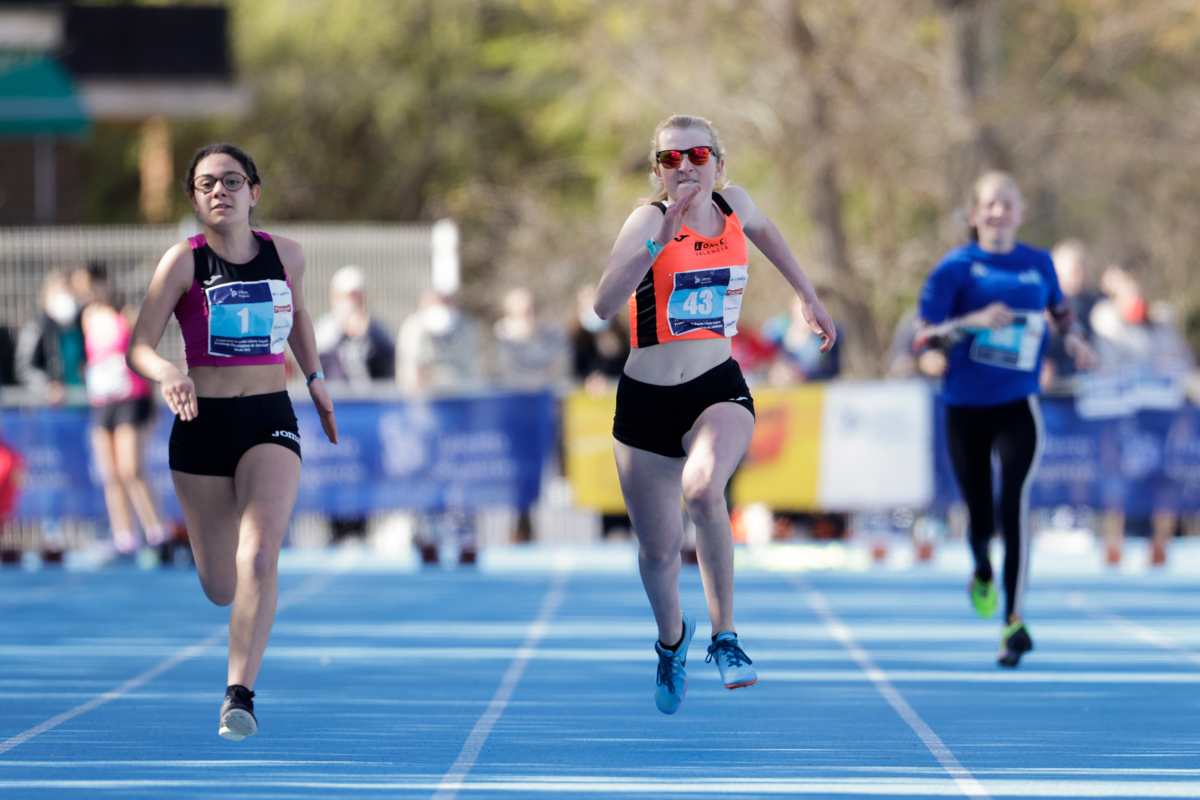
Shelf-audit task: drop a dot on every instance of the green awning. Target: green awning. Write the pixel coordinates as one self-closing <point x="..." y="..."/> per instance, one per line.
<point x="37" y="97"/>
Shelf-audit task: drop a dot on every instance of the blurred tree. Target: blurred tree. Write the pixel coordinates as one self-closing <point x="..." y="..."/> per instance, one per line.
<point x="857" y="125"/>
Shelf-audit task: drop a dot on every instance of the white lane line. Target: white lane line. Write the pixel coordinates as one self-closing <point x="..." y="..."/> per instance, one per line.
<point x="300" y="593"/>
<point x="454" y="779"/>
<point x="601" y="786"/>
<point x="962" y="777"/>
<point x="1148" y="635"/>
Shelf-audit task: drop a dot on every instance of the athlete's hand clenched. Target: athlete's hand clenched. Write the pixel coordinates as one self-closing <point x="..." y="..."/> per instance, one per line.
<point x="673" y="218"/>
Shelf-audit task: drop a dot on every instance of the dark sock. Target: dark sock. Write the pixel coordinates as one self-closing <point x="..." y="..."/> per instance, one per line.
<point x="673" y="647"/>
<point x="715" y="635"/>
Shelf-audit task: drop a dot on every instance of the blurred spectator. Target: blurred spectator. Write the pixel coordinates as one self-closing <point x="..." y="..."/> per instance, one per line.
<point x="1135" y="340"/>
<point x="1141" y="348"/>
<point x="50" y="353"/>
<point x="8" y="356"/>
<point x="530" y="353"/>
<point x="928" y="526"/>
<point x="439" y="347"/>
<point x="439" y="351"/>
<point x="1072" y="264"/>
<point x="122" y="415"/>
<point x="798" y="356"/>
<point x="599" y="347"/>
<point x="754" y="354"/>
<point x="354" y="348"/>
<point x="12" y="475"/>
<point x="902" y="359"/>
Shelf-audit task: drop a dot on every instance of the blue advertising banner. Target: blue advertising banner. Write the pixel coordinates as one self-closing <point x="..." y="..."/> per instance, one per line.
<point x="1139" y="461"/>
<point x="426" y="455"/>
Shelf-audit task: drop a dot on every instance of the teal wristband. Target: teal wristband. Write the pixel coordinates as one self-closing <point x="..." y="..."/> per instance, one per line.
<point x="654" y="247"/>
<point x="313" y="376"/>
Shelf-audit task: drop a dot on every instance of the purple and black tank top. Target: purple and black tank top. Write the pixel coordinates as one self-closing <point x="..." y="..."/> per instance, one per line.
<point x="236" y="314"/>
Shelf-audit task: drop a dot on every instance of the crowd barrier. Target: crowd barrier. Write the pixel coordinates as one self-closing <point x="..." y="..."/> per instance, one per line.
<point x="465" y="453"/>
<point x="845" y="446"/>
<point x="874" y="446"/>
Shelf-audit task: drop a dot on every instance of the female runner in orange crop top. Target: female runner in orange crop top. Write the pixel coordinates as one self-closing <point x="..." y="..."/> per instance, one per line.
<point x="238" y="294"/>
<point x="684" y="415"/>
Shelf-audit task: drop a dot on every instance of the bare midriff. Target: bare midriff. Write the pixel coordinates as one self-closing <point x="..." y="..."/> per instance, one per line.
<point x="673" y="363"/>
<point x="238" y="381"/>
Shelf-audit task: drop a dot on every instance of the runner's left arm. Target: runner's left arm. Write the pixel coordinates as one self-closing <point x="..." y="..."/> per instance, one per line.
<point x="767" y="238"/>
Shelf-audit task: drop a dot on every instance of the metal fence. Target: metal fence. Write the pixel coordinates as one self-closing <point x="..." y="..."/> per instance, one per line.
<point x="397" y="261"/>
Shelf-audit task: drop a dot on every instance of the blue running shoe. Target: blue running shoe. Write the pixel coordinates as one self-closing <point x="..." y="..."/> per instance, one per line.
<point x="671" y="682"/>
<point x="736" y="668"/>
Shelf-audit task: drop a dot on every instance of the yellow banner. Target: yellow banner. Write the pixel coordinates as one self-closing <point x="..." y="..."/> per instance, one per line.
<point x="590" y="465"/>
<point x="781" y="467"/>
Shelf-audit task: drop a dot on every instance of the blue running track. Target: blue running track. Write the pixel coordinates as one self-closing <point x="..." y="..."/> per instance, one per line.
<point x="455" y="684"/>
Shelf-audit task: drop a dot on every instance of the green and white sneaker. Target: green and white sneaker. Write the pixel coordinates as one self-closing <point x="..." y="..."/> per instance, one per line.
<point x="984" y="597"/>
<point x="1015" y="642"/>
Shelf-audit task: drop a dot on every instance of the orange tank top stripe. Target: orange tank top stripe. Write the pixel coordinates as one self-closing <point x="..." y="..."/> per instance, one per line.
<point x="694" y="288"/>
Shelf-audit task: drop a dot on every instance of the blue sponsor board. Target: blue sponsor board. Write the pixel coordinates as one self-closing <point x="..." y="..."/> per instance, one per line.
<point x="1138" y="461"/>
<point x="463" y="453"/>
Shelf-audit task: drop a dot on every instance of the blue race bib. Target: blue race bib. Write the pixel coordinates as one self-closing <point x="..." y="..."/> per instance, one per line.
<point x="249" y="319"/>
<point x="1014" y="346"/>
<point x="706" y="299"/>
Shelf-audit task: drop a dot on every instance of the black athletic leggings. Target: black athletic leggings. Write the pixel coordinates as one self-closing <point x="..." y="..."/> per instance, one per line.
<point x="1013" y="432"/>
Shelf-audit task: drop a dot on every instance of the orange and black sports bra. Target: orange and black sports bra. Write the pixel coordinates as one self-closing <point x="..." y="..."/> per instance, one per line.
<point x="694" y="288"/>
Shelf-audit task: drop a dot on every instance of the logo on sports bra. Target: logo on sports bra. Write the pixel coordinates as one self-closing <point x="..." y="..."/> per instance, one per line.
<point x="681" y="237"/>
<point x="711" y="248"/>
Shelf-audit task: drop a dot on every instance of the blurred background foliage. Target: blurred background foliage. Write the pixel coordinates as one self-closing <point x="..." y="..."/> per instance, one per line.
<point x="858" y="126"/>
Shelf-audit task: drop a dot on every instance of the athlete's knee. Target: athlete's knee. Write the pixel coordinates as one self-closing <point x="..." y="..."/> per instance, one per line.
<point x="704" y="499"/>
<point x="219" y="593"/>
<point x="660" y="555"/>
<point x="129" y="474"/>
<point x="256" y="561"/>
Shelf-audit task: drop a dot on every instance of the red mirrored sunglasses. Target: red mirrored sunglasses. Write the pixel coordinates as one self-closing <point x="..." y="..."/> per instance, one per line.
<point x="671" y="159"/>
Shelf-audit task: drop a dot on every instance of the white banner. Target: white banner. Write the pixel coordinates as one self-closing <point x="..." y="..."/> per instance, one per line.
<point x="876" y="445"/>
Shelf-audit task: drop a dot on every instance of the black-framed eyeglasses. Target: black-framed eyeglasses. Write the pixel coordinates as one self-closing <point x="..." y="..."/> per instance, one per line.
<point x="672" y="159"/>
<point x="230" y="180"/>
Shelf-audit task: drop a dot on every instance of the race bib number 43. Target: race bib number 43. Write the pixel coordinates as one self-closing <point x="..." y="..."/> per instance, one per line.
<point x="1015" y="346"/>
<point x="249" y="319"/>
<point x="707" y="299"/>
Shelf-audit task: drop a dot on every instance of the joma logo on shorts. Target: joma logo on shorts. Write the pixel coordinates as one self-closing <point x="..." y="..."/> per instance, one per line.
<point x="287" y="435"/>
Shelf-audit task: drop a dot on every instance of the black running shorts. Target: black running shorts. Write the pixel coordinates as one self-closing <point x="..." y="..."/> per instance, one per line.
<point x="656" y="418"/>
<point x="226" y="427"/>
<point x="136" y="411"/>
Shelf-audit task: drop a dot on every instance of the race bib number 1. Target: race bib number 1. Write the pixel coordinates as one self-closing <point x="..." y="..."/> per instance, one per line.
<point x="706" y="299"/>
<point x="249" y="319"/>
<point x="1014" y="346"/>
